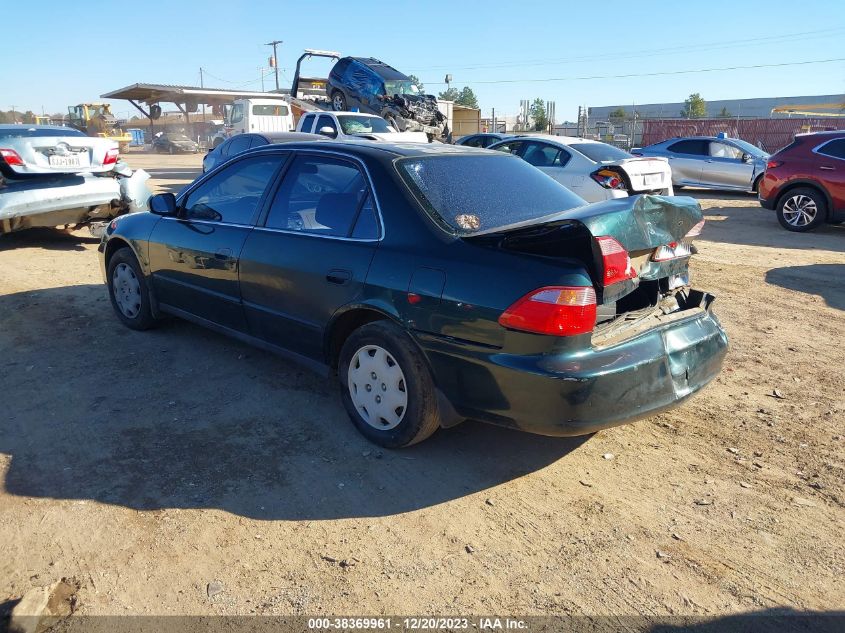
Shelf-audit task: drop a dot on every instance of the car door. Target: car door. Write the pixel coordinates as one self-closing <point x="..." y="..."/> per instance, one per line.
<point x="686" y="158"/>
<point x="307" y="123"/>
<point x="194" y="256"/>
<point x="311" y="252"/>
<point x="725" y="168"/>
<point x="830" y="170"/>
<point x="326" y="121"/>
<point x="557" y="163"/>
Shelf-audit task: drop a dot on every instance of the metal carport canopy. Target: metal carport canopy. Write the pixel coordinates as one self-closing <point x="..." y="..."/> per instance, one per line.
<point x="155" y="93"/>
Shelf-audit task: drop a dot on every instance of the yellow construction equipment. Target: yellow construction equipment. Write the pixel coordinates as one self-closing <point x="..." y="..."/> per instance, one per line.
<point x="96" y="119"/>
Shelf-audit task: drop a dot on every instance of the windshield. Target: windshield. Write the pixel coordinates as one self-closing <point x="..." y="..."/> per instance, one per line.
<point x="23" y="132"/>
<point x="401" y="87"/>
<point x="748" y="147"/>
<point x="469" y="193"/>
<point x="600" y="152"/>
<point x="363" y="125"/>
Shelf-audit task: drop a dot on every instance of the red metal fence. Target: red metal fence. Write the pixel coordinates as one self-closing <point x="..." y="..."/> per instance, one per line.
<point x="768" y="134"/>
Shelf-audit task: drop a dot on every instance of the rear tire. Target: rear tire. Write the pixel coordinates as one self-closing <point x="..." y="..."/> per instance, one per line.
<point x="128" y="291"/>
<point x="801" y="209"/>
<point x="386" y="386"/>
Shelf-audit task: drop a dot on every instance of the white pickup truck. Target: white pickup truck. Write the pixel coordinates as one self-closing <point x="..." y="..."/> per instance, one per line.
<point x="347" y="125"/>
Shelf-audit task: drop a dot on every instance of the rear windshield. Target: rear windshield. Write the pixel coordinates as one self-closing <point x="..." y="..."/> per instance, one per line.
<point x="467" y="193"/>
<point x="600" y="152"/>
<point x="24" y="132"/>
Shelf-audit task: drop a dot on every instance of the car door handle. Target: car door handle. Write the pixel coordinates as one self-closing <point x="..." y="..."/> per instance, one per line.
<point x="223" y="253"/>
<point x="827" y="167"/>
<point x="338" y="277"/>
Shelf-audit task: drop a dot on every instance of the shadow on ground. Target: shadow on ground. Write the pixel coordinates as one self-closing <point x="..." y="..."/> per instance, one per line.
<point x="47" y="238"/>
<point x="756" y="226"/>
<point x="179" y="417"/>
<point x="825" y="280"/>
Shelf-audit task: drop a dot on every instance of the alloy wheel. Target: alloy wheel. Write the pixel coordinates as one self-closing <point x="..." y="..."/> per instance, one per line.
<point x="126" y="290"/>
<point x="377" y="387"/>
<point x="800" y="210"/>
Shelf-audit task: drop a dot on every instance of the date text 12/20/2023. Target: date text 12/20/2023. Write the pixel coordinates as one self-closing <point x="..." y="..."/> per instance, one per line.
<point x="492" y="623"/>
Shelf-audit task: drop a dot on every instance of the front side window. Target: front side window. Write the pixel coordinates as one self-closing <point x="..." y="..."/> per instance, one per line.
<point x="469" y="193"/>
<point x="474" y="141"/>
<point x="324" y="196"/>
<point x="326" y="121"/>
<point x="723" y="150"/>
<point x="835" y="149"/>
<point x="232" y="195"/>
<point x="237" y="113"/>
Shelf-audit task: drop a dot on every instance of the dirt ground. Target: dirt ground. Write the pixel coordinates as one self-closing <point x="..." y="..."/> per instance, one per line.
<point x="147" y="465"/>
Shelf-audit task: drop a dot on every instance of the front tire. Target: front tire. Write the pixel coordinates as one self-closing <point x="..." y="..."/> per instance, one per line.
<point x="128" y="291"/>
<point x="801" y="209"/>
<point x="386" y="386"/>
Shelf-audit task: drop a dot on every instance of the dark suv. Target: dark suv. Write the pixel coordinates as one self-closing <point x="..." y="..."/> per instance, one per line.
<point x="805" y="181"/>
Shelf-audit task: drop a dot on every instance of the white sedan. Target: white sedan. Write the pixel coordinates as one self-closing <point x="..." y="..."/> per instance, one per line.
<point x="595" y="171"/>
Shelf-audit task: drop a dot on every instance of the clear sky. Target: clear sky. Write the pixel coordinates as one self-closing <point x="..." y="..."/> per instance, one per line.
<point x="73" y="52"/>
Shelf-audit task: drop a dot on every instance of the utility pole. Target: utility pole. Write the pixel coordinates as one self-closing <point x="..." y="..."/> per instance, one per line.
<point x="203" y="105"/>
<point x="274" y="60"/>
<point x="14" y="118"/>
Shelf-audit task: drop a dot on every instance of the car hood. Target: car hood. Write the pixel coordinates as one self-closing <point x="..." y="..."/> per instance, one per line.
<point x="395" y="137"/>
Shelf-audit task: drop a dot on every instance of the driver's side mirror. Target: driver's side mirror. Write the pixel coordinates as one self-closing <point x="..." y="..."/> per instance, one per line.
<point x="747" y="158"/>
<point x="327" y="131"/>
<point x="163" y="204"/>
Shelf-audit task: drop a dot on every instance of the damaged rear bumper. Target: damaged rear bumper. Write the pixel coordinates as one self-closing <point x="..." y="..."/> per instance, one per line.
<point x="584" y="390"/>
<point x="74" y="199"/>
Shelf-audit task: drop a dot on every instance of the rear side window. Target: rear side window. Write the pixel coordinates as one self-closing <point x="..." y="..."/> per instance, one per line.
<point x="835" y="149"/>
<point x="509" y="148"/>
<point x="307" y="122"/>
<point x="474" y="141"/>
<point x="324" y="196"/>
<point x="232" y="195"/>
<point x="239" y="144"/>
<point x="697" y="147"/>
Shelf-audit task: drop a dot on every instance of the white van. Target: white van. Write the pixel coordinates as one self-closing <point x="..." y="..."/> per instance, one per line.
<point x="259" y="115"/>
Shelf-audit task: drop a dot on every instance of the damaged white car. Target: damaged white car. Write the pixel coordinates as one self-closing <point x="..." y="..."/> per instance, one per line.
<point x="57" y="176"/>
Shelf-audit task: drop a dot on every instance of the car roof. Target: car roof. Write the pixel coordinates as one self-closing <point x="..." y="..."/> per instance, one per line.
<point x="546" y="138"/>
<point x="823" y="133"/>
<point x="381" y="149"/>
<point x="27" y="126"/>
<point x="293" y="136"/>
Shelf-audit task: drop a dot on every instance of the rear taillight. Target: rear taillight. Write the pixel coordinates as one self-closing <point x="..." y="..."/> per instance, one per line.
<point x="617" y="263"/>
<point x="773" y="163"/>
<point x="11" y="157"/>
<point x="111" y="157"/>
<point x="678" y="250"/>
<point x="608" y="179"/>
<point x="554" y="310"/>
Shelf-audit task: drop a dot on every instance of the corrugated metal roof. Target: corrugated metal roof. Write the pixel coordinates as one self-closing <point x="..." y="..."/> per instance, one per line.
<point x="172" y="93"/>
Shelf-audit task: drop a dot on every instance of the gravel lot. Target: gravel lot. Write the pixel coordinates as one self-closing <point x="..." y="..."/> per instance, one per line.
<point x="147" y="465"/>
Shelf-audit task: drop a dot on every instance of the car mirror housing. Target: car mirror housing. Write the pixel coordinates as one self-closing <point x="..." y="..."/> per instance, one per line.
<point x="163" y="204"/>
<point x="327" y="131"/>
<point x="747" y="158"/>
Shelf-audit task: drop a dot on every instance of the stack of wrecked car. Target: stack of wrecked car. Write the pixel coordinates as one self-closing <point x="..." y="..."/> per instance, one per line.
<point x="372" y="86"/>
<point x="56" y="176"/>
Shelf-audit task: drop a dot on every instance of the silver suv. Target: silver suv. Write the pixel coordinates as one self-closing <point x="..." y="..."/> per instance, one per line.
<point x="711" y="162"/>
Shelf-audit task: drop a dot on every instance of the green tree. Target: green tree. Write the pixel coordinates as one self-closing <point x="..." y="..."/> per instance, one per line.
<point x="617" y="114"/>
<point x="450" y="94"/>
<point x="538" y="115"/>
<point x="416" y="81"/>
<point x="694" y="107"/>
<point x="724" y="114"/>
<point x="467" y="98"/>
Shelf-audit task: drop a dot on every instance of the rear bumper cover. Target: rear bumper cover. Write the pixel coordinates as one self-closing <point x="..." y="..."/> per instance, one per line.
<point x="583" y="391"/>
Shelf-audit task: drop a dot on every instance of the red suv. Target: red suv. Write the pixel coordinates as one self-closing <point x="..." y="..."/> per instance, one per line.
<point x="805" y="181"/>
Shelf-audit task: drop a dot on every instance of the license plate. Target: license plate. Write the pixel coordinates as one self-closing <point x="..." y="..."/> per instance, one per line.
<point x="652" y="179"/>
<point x="66" y="161"/>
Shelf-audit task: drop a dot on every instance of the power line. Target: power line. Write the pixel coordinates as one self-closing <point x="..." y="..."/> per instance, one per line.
<point x="652" y="74"/>
<point x="624" y="55"/>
